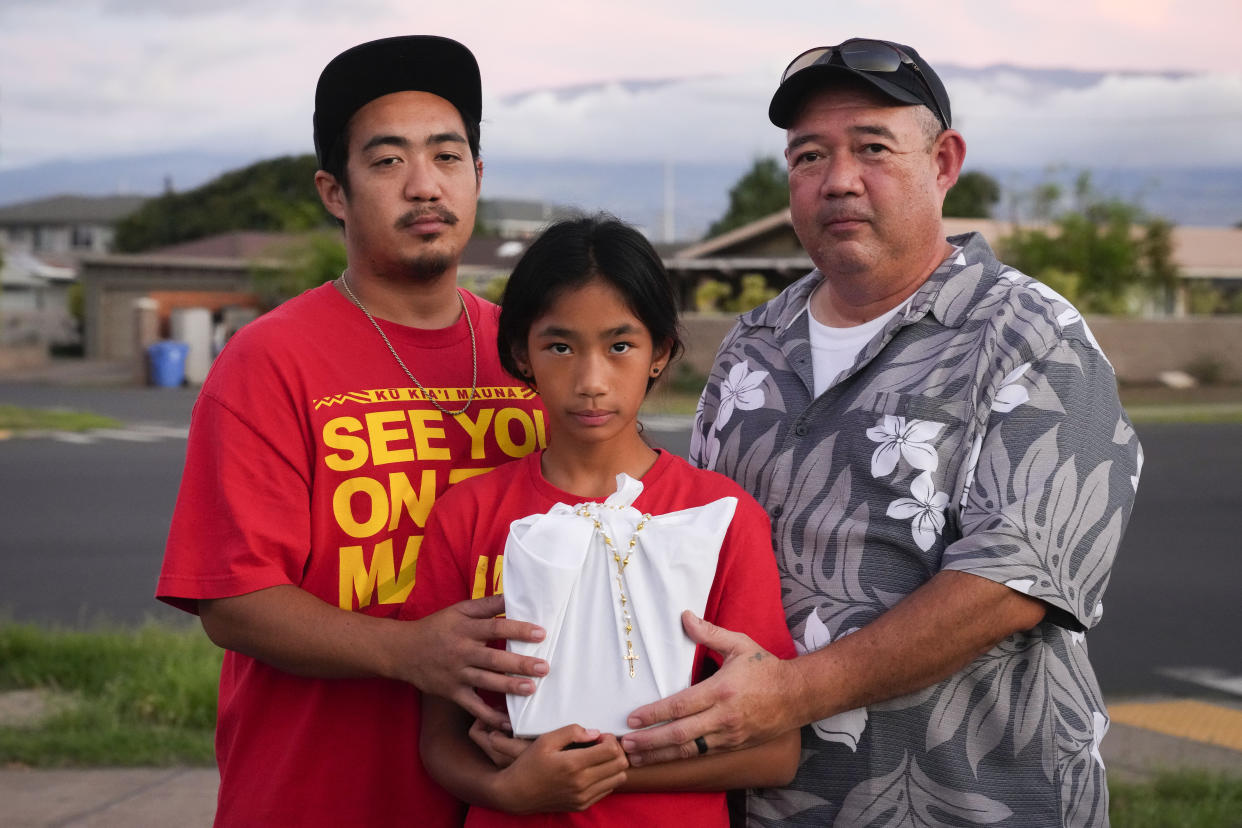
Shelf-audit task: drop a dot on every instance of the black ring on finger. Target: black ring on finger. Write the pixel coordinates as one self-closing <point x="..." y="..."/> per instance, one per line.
<point x="701" y="744"/>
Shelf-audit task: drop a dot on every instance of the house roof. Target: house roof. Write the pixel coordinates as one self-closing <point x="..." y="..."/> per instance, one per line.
<point x="238" y="244"/>
<point x="739" y="237"/>
<point x="71" y="209"/>
<point x="19" y="268"/>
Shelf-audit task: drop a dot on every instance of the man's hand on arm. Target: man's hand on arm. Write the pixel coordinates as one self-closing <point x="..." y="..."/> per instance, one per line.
<point x="445" y="653"/>
<point x="748" y="701"/>
<point x="931" y="634"/>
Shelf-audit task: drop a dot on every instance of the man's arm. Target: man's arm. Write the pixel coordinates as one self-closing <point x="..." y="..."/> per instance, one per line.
<point x="444" y="653"/>
<point x="931" y="634"/>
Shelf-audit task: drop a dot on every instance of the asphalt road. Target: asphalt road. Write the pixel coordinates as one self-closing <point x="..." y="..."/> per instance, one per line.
<point x="84" y="526"/>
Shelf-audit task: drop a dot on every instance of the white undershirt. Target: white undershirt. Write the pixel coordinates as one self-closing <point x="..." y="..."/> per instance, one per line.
<point x="834" y="350"/>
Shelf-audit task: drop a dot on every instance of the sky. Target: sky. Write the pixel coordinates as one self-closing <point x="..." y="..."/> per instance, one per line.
<point x="84" y="79"/>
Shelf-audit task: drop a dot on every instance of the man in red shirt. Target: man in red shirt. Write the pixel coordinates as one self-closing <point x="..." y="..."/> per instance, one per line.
<point x="319" y="443"/>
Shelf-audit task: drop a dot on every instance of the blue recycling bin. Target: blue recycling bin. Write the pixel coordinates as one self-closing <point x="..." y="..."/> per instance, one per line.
<point x="166" y="359"/>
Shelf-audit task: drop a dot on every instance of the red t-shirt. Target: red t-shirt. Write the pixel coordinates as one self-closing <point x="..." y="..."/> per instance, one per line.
<point x="465" y="554"/>
<point x="312" y="461"/>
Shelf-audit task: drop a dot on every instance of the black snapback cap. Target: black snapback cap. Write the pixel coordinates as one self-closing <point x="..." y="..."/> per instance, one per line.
<point x="412" y="63"/>
<point x="906" y="84"/>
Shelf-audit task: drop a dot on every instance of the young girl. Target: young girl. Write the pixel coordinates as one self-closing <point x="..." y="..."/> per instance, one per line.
<point x="589" y="320"/>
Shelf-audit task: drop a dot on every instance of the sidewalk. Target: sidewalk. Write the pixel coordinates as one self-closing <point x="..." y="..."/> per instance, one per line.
<point x="186" y="797"/>
<point x="77" y="371"/>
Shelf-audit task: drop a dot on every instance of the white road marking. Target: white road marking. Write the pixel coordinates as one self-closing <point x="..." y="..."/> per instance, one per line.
<point x="1212" y="677"/>
<point x="131" y="434"/>
<point x="71" y="436"/>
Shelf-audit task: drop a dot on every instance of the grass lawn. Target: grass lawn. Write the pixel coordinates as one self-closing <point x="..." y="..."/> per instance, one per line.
<point x="122" y="697"/>
<point x="16" y="418"/>
<point x="1183" y="800"/>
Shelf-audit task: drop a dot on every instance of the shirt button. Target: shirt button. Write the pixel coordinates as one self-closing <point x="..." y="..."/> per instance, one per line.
<point x="800" y="429"/>
<point x="778" y="510"/>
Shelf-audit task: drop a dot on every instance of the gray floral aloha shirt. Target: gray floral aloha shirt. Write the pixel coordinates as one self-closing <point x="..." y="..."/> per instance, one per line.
<point x="980" y="431"/>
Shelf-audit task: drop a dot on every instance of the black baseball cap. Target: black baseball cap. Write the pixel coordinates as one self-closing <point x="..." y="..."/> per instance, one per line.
<point x="412" y="63"/>
<point x="892" y="69"/>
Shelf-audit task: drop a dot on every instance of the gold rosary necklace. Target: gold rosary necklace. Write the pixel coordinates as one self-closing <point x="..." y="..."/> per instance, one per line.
<point x="622" y="563"/>
<point x="474" y="351"/>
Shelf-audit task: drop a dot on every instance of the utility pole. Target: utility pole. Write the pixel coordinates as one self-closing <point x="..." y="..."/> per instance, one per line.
<point x="670" y="230"/>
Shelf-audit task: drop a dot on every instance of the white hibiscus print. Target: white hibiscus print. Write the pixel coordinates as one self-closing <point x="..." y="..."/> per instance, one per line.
<point x="742" y="389"/>
<point x="1099" y="724"/>
<point x="901" y="438"/>
<point x="925" y="510"/>
<point x="1138" y="470"/>
<point x="1011" y="394"/>
<point x="845" y="728"/>
<point x="1022" y="585"/>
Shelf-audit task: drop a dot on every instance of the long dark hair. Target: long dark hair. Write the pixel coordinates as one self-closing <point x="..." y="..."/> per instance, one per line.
<point x="573" y="252"/>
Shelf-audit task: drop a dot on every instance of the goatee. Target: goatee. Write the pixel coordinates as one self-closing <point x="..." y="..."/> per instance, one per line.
<point x="428" y="267"/>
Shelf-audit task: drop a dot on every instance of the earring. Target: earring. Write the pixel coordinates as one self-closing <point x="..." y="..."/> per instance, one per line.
<point x="655" y="372"/>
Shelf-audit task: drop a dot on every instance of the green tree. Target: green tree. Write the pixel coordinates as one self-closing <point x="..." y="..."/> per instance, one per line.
<point x="973" y="196"/>
<point x="274" y="195"/>
<point x="304" y="263"/>
<point x="752" y="293"/>
<point x="1106" y="249"/>
<point x="761" y="191"/>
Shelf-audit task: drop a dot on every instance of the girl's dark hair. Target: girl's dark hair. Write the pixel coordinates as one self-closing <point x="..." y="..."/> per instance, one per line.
<point x="571" y="253"/>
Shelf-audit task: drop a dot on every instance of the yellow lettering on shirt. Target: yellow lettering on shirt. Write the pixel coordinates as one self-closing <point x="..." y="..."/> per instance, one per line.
<point x="479" y="589"/>
<point x="380" y="580"/>
<point x="458" y="475"/>
<point x="477" y="429"/>
<point x="405" y="500"/>
<point x="355" y="447"/>
<point x="480" y="579"/>
<point x="421" y="422"/>
<point x="509" y="419"/>
<point x="380" y="435"/>
<point x="375" y="503"/>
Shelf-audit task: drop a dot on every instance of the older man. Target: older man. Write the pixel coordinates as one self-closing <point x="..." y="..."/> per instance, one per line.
<point x="938" y="440"/>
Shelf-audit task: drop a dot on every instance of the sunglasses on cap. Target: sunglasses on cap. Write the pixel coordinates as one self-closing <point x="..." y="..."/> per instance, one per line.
<point x="863" y="55"/>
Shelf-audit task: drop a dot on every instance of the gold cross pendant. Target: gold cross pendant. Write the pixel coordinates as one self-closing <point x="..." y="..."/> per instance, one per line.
<point x="630" y="657"/>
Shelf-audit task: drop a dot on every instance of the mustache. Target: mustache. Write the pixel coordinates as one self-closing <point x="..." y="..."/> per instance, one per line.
<point x="444" y="214"/>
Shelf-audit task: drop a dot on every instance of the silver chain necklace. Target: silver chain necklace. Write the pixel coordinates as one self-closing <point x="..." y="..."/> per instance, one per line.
<point x="474" y="350"/>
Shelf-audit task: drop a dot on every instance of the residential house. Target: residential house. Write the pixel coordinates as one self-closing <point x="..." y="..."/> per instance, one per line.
<point x="65" y="225"/>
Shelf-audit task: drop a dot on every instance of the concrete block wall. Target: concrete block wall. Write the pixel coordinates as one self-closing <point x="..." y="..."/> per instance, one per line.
<point x="1140" y="349"/>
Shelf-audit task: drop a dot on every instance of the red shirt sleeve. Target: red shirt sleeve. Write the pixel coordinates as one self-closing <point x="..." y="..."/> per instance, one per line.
<point x="242" y="520"/>
<point x="746" y="597"/>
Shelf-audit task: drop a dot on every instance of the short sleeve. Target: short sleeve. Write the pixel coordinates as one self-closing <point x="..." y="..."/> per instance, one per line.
<point x="1050" y="484"/>
<point x="750" y="591"/>
<point x="242" y="519"/>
